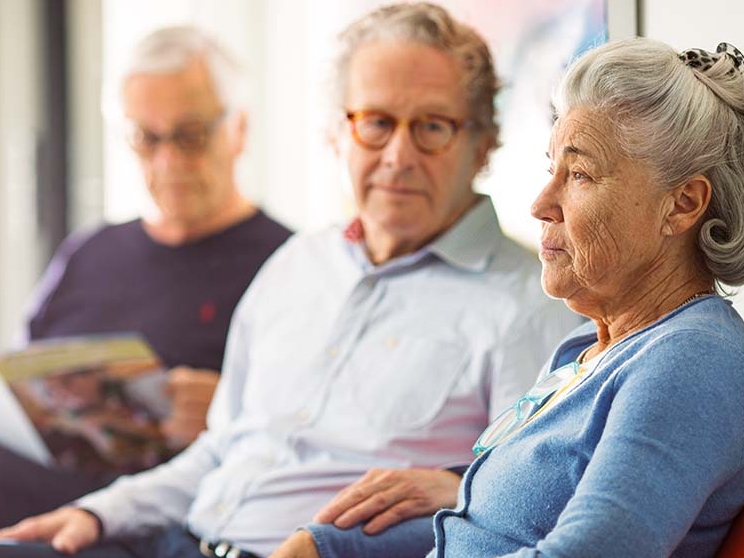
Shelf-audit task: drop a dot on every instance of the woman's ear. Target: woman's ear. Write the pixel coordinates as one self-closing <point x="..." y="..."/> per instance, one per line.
<point x="688" y="204"/>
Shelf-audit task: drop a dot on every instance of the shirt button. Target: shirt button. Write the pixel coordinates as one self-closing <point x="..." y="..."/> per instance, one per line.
<point x="391" y="342"/>
<point x="332" y="352"/>
<point x="302" y="415"/>
<point x="220" y="507"/>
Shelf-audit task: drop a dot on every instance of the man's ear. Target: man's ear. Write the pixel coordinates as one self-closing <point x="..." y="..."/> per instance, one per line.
<point x="333" y="141"/>
<point x="689" y="202"/>
<point x="484" y="145"/>
<point x="238" y="131"/>
<point x="337" y="138"/>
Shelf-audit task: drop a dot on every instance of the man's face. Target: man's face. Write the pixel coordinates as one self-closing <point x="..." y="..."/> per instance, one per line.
<point x="400" y="191"/>
<point x="188" y="186"/>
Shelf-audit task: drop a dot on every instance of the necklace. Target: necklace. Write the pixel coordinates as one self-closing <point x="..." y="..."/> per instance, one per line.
<point x="582" y="356"/>
<point x="693" y="297"/>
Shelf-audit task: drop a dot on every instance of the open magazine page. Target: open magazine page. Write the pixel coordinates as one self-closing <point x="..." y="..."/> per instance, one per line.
<point x="95" y="402"/>
<point x="18" y="433"/>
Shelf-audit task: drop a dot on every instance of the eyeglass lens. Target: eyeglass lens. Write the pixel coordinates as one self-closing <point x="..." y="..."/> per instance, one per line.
<point x="516" y="415"/>
<point x="430" y="133"/>
<point x="190" y="137"/>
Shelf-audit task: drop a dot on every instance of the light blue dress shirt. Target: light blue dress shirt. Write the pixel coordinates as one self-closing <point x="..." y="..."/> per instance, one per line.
<point x="334" y="366"/>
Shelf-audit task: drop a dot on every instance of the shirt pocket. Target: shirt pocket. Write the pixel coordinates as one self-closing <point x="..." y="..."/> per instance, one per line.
<point x="403" y="383"/>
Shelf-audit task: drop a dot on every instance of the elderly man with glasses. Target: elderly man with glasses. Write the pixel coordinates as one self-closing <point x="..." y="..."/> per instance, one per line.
<point x="175" y="275"/>
<point x="364" y="360"/>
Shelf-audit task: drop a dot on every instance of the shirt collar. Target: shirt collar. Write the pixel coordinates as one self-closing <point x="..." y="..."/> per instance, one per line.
<point x="469" y="244"/>
<point x="472" y="241"/>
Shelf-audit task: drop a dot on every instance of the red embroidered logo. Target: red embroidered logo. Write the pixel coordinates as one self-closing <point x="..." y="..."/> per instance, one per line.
<point x="207" y="312"/>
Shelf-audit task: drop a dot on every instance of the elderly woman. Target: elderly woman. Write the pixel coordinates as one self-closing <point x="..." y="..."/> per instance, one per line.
<point x="632" y="442"/>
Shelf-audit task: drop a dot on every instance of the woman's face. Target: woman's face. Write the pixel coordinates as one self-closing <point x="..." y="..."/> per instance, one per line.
<point x="602" y="217"/>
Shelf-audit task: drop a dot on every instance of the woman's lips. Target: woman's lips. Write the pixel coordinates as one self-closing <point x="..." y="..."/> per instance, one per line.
<point x="548" y="248"/>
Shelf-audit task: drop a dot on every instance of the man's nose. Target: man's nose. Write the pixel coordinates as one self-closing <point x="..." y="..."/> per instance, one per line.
<point x="400" y="150"/>
<point x="167" y="154"/>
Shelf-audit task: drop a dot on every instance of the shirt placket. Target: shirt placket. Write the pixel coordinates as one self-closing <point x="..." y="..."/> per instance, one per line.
<point x="343" y="341"/>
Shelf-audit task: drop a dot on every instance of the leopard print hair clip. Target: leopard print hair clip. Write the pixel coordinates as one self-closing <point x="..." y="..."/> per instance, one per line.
<point x="702" y="60"/>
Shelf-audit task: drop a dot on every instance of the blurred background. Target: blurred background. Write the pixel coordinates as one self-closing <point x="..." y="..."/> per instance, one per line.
<point x="63" y="166"/>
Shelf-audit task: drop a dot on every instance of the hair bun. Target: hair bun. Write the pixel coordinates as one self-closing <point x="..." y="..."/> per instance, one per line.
<point x="702" y="60"/>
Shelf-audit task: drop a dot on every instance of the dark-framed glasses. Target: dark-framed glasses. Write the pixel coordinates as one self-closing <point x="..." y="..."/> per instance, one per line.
<point x="518" y="414"/>
<point x="431" y="133"/>
<point x="191" y="138"/>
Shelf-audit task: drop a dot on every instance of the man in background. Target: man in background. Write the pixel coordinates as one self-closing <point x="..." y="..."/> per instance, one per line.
<point x="175" y="275"/>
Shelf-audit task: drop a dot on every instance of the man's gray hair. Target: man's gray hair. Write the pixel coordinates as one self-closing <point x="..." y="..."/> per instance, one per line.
<point x="430" y="25"/>
<point x="171" y="49"/>
<point x="678" y="120"/>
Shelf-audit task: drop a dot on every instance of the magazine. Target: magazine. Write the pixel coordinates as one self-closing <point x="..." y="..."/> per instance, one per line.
<point x="90" y="403"/>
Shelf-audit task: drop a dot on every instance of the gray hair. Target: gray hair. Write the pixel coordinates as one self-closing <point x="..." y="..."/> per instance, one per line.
<point x="171" y="49"/>
<point x="678" y="120"/>
<point x="430" y="25"/>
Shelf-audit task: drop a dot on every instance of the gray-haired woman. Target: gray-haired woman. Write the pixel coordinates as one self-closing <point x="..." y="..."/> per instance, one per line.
<point x="632" y="441"/>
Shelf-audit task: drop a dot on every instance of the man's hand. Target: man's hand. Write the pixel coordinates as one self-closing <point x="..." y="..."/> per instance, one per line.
<point x="384" y="497"/>
<point x="191" y="393"/>
<point x="67" y="529"/>
<point x="299" y="545"/>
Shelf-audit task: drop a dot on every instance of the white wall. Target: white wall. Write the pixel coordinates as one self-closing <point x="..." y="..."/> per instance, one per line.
<point x="85" y="157"/>
<point x="20" y="118"/>
<point x="691" y="24"/>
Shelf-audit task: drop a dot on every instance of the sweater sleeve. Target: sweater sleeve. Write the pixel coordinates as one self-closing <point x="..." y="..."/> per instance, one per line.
<point x="409" y="539"/>
<point x="45" y="289"/>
